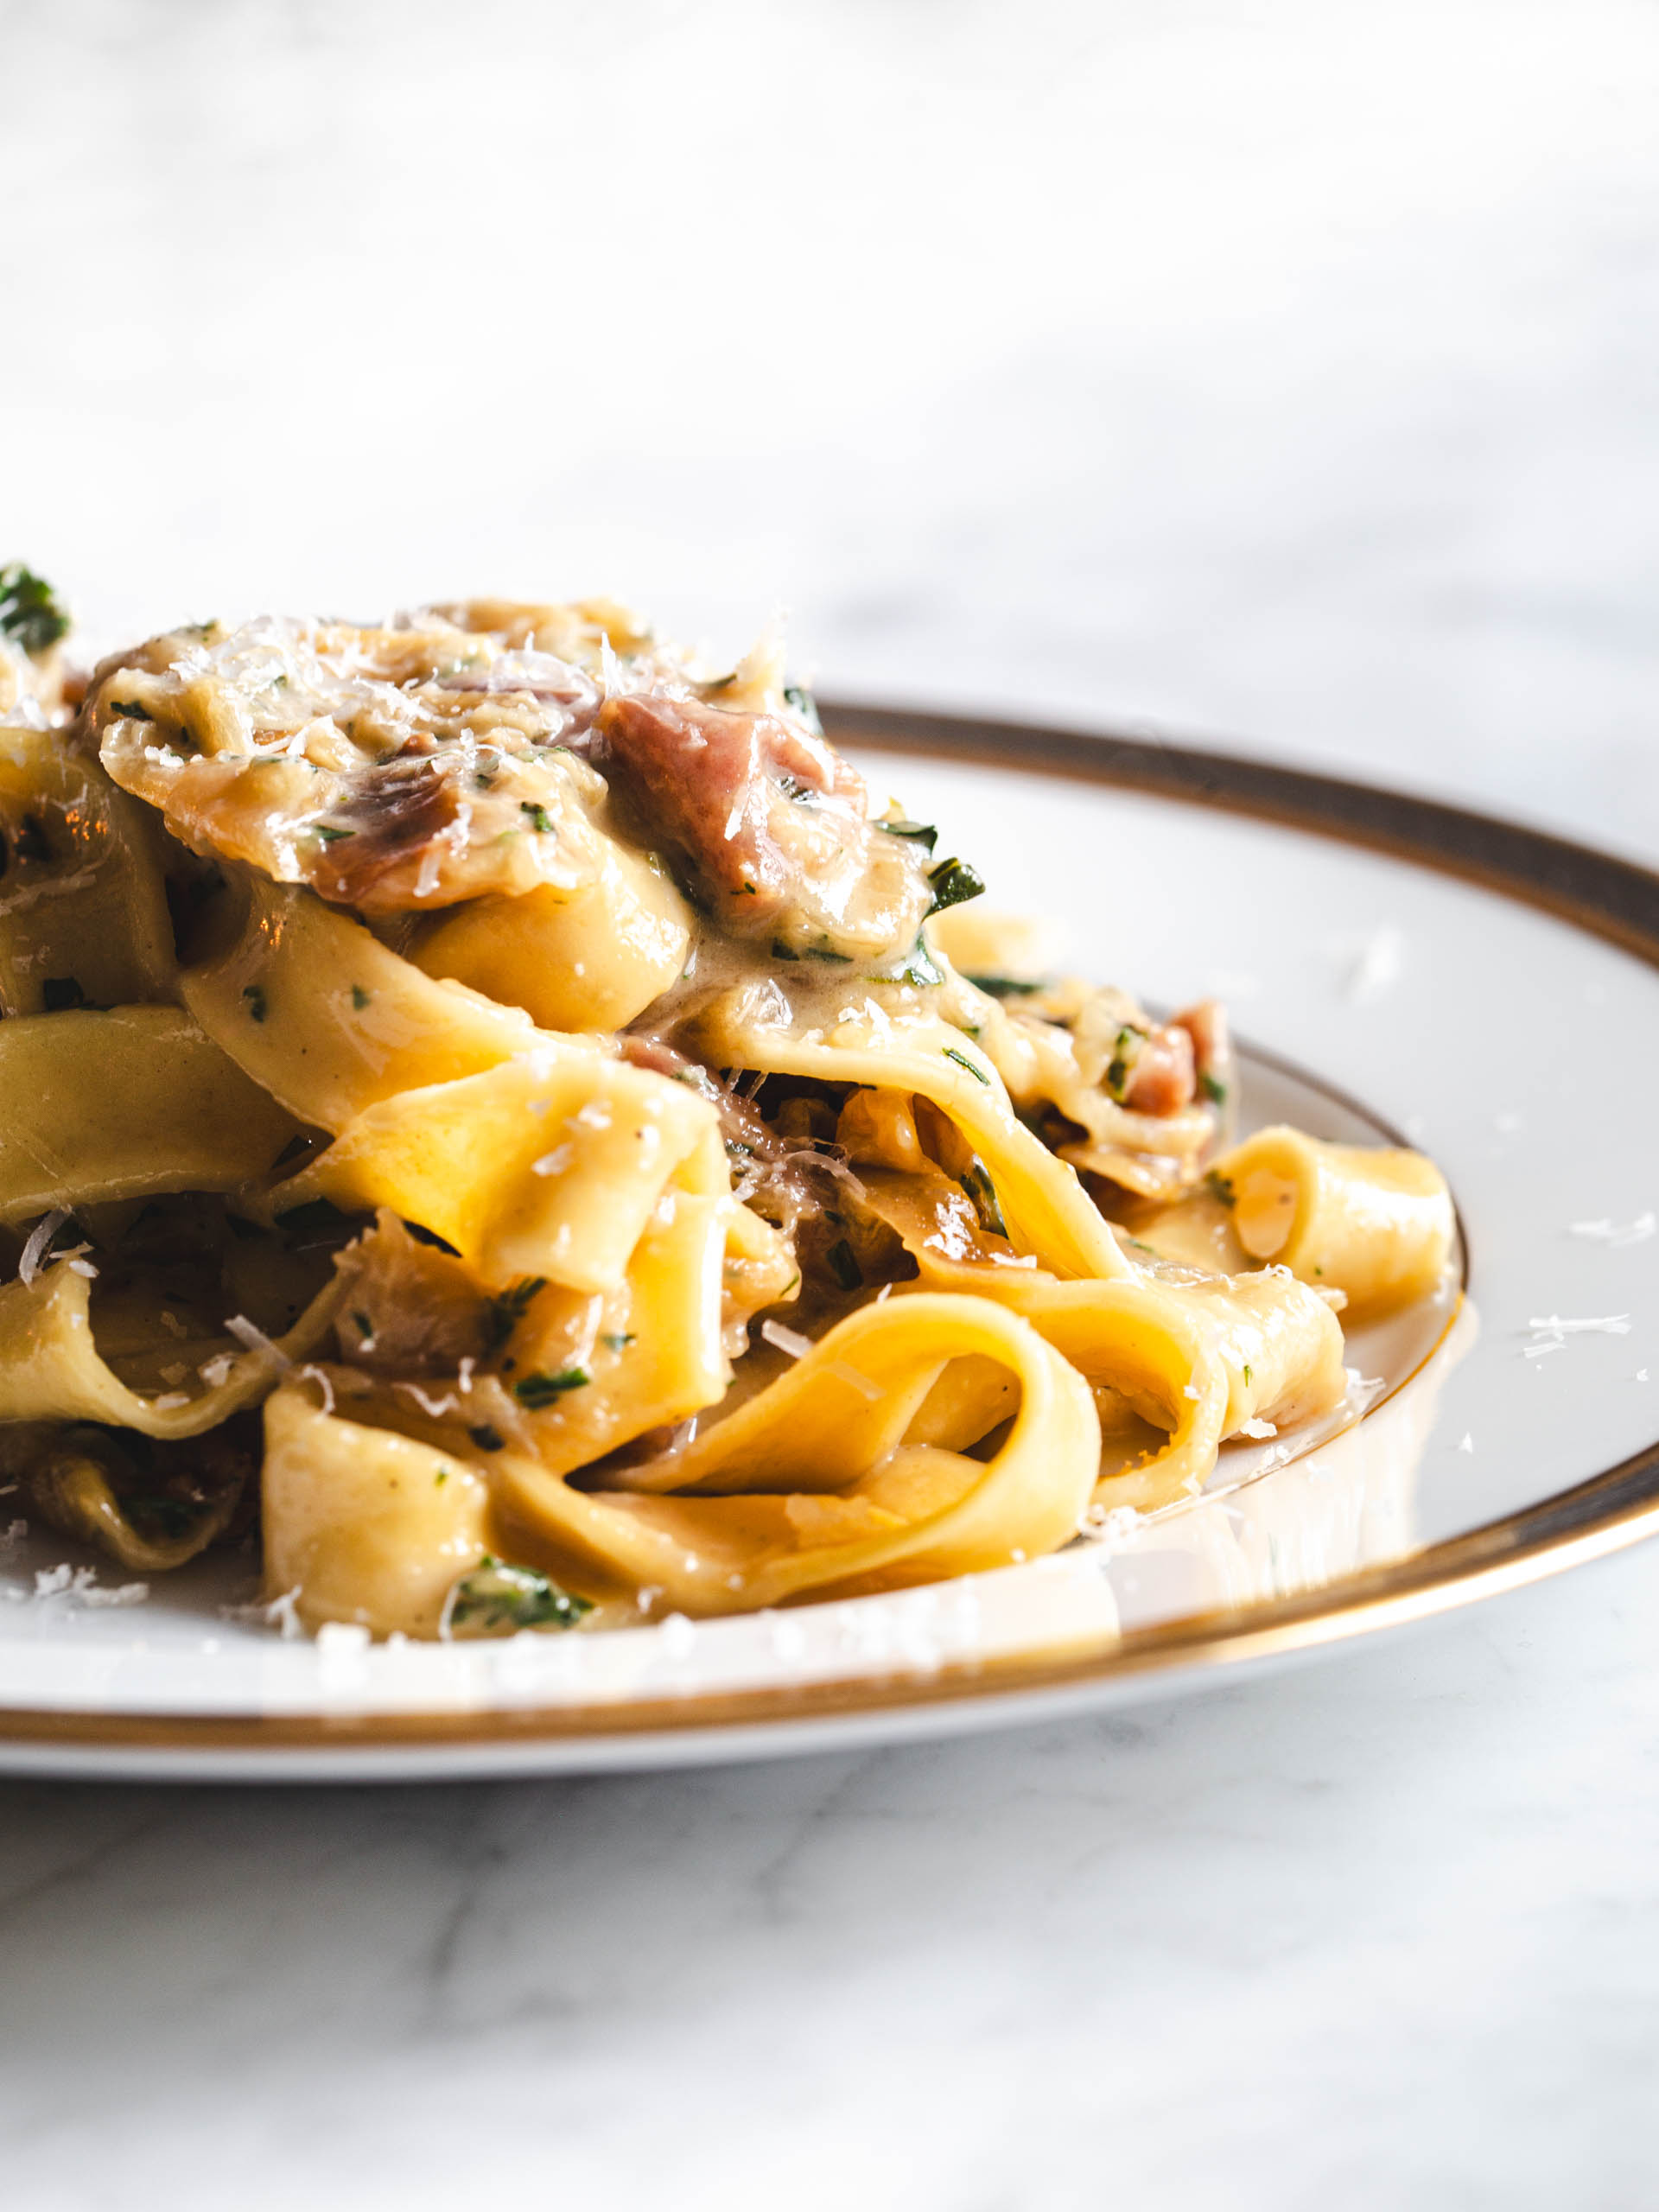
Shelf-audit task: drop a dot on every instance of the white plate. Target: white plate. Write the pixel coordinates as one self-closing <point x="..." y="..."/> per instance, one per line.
<point x="1519" y="1045"/>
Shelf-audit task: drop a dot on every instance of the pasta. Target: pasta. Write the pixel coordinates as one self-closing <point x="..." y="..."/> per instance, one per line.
<point x="498" y="1112"/>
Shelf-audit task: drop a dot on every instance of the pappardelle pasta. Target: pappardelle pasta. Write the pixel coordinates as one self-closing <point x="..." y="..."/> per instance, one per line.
<point x="500" y="1115"/>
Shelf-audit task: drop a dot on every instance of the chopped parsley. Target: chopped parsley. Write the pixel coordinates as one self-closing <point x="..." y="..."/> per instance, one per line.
<point x="1221" y="1186"/>
<point x="330" y="834"/>
<point x="798" y="696"/>
<point x="540" y="819"/>
<point x="540" y="1390"/>
<point x="619" y="1340"/>
<point x="1126" y="1050"/>
<point x="173" y="1517"/>
<point x="954" y="881"/>
<point x="364" y="1326"/>
<point x="1004" y="987"/>
<point x="821" y="950"/>
<point x="793" y="788"/>
<point x="962" y="1061"/>
<point x="60" y="993"/>
<point x="919" y="833"/>
<point x="486" y="1437"/>
<point x="1248" y="1378"/>
<point x="254" y="997"/>
<point x="30" y="612"/>
<point x="976" y="1182"/>
<point x="498" y="1599"/>
<point x="842" y="1263"/>
<point x="1214" y="1091"/>
<point x="918" y="967"/>
<point x="509" y="1309"/>
<point x="130" y="711"/>
<point x="359" y="996"/>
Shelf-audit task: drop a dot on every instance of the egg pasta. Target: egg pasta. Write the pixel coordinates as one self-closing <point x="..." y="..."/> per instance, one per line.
<point x="497" y="1114"/>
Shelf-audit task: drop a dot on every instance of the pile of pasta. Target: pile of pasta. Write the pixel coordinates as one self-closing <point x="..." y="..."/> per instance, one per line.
<point x="500" y="1116"/>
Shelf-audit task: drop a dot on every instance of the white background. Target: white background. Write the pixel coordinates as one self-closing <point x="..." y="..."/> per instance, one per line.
<point x="1284" y="373"/>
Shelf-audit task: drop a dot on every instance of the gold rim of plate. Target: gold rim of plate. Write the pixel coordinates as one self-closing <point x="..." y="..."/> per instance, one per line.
<point x="1615" y="899"/>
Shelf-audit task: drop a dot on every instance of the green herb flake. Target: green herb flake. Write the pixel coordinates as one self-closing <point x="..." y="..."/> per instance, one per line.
<point x="620" y="1340"/>
<point x="1248" y="1378"/>
<point x="954" y="882"/>
<point x="255" y="998"/>
<point x="1214" y="1091"/>
<point x="1004" y="987"/>
<point x="844" y="1265"/>
<point x="962" y="1061"/>
<point x="29" y="611"/>
<point x="60" y="994"/>
<point x="976" y="1182"/>
<point x="441" y="1477"/>
<point x="918" y="833"/>
<point x="540" y="820"/>
<point x="130" y="711"/>
<point x="798" y="696"/>
<point x="486" y="1437"/>
<point x="509" y="1309"/>
<point x="360" y="997"/>
<point x="793" y="788"/>
<point x="330" y="833"/>
<point x="364" y="1326"/>
<point x="1221" y="1186"/>
<point x="918" y="968"/>
<point x="781" y="952"/>
<point x="541" y="1390"/>
<point x="500" y="1599"/>
<point x="1126" y="1050"/>
<point x="171" y="1517"/>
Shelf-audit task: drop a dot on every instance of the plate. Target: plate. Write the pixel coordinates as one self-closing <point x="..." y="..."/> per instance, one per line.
<point x="1401" y="971"/>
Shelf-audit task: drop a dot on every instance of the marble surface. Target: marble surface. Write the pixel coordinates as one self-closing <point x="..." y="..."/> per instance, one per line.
<point x="1284" y="373"/>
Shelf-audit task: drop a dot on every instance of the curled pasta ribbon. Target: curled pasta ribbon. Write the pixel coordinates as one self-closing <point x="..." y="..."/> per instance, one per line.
<point x="328" y="1020"/>
<point x="365" y="1525"/>
<point x="51" y="1369"/>
<point x="1374" y="1224"/>
<point x="811" y="1486"/>
<point x="86" y="909"/>
<point x="547" y="1165"/>
<point x="86" y="1095"/>
<point x="592" y="956"/>
<point x="1049" y="1215"/>
<point x="72" y="1491"/>
<point x="1193" y="1352"/>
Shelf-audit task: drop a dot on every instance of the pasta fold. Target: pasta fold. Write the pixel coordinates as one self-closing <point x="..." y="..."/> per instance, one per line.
<point x="122" y="1105"/>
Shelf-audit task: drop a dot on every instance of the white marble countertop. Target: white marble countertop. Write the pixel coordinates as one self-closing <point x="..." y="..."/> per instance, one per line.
<point x="1286" y="378"/>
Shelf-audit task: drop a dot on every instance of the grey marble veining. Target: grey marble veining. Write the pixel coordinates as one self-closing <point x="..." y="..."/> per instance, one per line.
<point x="1377" y="1928"/>
<point x="1284" y="375"/>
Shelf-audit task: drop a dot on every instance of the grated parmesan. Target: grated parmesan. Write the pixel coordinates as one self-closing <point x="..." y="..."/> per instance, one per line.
<point x="1615" y="1235"/>
<point x="255" y="1339"/>
<point x="28" y="1267"/>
